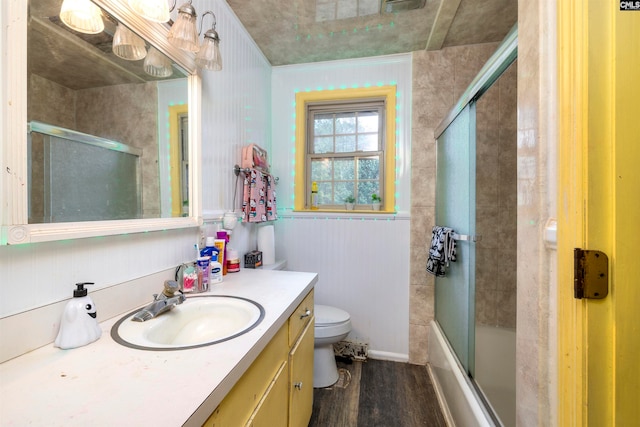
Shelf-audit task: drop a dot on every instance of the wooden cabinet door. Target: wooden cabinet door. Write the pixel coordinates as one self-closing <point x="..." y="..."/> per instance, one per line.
<point x="272" y="409"/>
<point x="301" y="379"/>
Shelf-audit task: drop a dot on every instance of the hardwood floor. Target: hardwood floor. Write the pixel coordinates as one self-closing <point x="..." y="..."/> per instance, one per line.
<point x="378" y="394"/>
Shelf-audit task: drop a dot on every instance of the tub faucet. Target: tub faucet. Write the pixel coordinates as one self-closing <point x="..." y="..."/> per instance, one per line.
<point x="161" y="303"/>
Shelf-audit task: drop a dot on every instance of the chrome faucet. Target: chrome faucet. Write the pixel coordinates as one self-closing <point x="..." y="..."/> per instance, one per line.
<point x="169" y="298"/>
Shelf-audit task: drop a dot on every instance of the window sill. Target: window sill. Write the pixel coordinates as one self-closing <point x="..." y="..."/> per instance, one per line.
<point x="343" y="213"/>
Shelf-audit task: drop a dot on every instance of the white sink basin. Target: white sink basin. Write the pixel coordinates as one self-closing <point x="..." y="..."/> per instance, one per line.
<point x="197" y="322"/>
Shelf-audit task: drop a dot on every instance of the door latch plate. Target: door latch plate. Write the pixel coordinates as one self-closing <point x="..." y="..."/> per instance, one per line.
<point x="591" y="274"/>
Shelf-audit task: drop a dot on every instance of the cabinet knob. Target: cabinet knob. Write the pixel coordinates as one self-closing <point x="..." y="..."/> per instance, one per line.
<point x="298" y="385"/>
<point x="307" y="313"/>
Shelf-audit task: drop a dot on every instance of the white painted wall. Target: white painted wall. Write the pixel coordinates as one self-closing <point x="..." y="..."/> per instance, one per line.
<point x="236" y="104"/>
<point x="362" y="260"/>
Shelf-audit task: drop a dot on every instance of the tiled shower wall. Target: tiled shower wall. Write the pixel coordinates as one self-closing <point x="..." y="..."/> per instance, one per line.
<point x="496" y="202"/>
<point x="439" y="79"/>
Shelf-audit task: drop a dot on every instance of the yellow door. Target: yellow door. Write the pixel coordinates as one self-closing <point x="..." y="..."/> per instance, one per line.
<point x="599" y="208"/>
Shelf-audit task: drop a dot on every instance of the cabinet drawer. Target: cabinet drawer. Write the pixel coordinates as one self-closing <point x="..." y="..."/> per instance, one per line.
<point x="300" y="318"/>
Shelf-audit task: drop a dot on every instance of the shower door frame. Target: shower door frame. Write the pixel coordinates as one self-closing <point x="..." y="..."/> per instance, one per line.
<point x="504" y="56"/>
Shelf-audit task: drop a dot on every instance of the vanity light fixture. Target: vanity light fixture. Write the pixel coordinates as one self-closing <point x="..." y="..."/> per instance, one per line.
<point x="183" y="33"/>
<point x="156" y="64"/>
<point x="82" y="16"/>
<point x="128" y="45"/>
<point x="208" y="56"/>
<point x="153" y="10"/>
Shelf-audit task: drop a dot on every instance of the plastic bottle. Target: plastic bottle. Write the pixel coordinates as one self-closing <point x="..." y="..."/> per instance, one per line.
<point x="216" y="270"/>
<point x="223" y="256"/>
<point x="203" y="274"/>
<point x="210" y="248"/>
<point x="221" y="246"/>
<point x="79" y="325"/>
<point x="314" y="195"/>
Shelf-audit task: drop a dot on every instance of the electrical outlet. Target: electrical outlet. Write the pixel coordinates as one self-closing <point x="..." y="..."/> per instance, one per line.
<point x="352" y="350"/>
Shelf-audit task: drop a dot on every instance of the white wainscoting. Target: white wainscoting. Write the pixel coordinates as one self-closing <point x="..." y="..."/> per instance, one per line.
<point x="362" y="263"/>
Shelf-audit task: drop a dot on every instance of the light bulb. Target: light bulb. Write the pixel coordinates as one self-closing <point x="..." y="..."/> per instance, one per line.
<point x="82" y="16"/>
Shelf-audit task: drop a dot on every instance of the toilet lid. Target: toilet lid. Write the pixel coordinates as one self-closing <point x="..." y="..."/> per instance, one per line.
<point x="326" y="315"/>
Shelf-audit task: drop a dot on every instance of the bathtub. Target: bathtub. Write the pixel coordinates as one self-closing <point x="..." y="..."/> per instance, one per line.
<point x="461" y="402"/>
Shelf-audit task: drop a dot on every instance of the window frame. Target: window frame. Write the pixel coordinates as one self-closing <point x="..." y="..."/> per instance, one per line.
<point x="387" y="139"/>
<point x="336" y="108"/>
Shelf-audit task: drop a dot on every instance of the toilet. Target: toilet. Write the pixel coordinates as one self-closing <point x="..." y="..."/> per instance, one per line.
<point x="332" y="325"/>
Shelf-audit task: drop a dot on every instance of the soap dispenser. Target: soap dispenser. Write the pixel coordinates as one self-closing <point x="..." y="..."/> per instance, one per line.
<point x="78" y="325"/>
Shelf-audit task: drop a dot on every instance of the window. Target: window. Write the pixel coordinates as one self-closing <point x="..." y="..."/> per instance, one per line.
<point x="345" y="142"/>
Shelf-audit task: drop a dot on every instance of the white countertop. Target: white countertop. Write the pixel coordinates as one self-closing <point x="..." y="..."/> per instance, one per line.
<point x="105" y="383"/>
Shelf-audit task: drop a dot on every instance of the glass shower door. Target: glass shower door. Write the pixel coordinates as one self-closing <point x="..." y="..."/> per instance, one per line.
<point x="455" y="208"/>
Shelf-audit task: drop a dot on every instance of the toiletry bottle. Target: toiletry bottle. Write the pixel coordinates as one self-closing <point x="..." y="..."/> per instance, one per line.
<point x="216" y="269"/>
<point x="203" y="273"/>
<point x="210" y="247"/>
<point x="221" y="243"/>
<point x="314" y="195"/>
<point x="79" y="324"/>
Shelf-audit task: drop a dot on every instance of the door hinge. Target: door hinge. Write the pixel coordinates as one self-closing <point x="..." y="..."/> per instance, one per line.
<point x="591" y="274"/>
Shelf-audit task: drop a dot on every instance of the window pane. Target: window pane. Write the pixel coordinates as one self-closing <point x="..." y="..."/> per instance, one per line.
<point x="368" y="121"/>
<point x="366" y="189"/>
<point x="346" y="123"/>
<point x="325" y="195"/>
<point x="321" y="169"/>
<point x="345" y="169"/>
<point x="342" y="190"/>
<point x="369" y="168"/>
<point x="323" y="124"/>
<point x="345" y="144"/>
<point x="323" y="144"/>
<point x="368" y="142"/>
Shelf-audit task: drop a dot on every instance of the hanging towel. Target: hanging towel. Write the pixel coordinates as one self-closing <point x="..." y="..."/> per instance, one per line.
<point x="272" y="213"/>
<point x="442" y="250"/>
<point x="259" y="198"/>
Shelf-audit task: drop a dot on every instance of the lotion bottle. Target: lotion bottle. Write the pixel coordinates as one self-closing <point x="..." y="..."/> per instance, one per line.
<point x="216" y="269"/>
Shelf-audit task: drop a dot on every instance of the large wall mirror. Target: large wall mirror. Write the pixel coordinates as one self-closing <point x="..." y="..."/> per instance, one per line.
<point x="111" y="134"/>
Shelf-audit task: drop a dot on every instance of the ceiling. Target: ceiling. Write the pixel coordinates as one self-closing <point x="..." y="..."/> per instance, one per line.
<point x="301" y="31"/>
<point x="287" y="32"/>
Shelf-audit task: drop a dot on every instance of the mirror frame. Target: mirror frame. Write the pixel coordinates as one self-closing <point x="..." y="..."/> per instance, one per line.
<point x="13" y="121"/>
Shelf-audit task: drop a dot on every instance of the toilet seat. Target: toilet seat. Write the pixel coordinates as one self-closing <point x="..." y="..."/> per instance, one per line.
<point x="331" y="322"/>
<point x="326" y="315"/>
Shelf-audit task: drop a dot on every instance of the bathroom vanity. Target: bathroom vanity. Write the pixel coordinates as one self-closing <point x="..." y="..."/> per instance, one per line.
<point x="277" y="390"/>
<point x="263" y="377"/>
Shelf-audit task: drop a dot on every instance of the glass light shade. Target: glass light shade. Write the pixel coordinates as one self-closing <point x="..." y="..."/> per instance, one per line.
<point x="127" y="45"/>
<point x="82" y="16"/>
<point x="153" y="10"/>
<point x="183" y="33"/>
<point x="208" y="56"/>
<point x="156" y="64"/>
